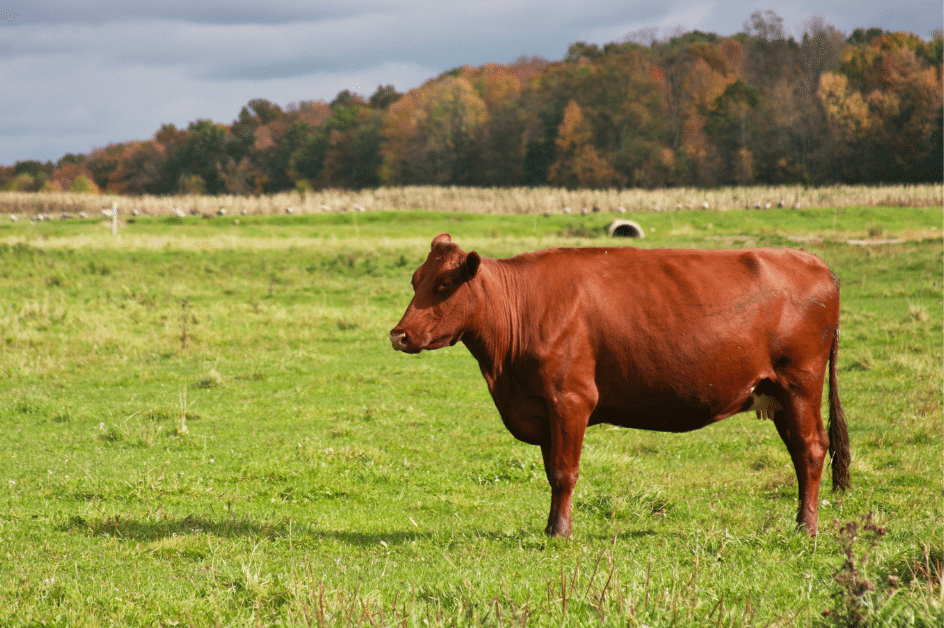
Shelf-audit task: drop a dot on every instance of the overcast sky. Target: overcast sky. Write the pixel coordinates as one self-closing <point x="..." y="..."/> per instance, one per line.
<point x="80" y="74"/>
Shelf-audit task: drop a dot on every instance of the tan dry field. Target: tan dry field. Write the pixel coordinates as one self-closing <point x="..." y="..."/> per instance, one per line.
<point x="478" y="200"/>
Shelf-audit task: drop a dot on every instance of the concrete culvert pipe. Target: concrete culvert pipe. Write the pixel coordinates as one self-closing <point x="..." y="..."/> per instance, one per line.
<point x="625" y="229"/>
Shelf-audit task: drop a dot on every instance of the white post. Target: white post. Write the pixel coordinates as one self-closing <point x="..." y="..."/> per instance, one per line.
<point x="114" y="218"/>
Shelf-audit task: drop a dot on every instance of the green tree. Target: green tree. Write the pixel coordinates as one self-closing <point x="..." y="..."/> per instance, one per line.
<point x="337" y="154"/>
<point x="83" y="185"/>
<point x="730" y="123"/>
<point x="281" y="171"/>
<point x="200" y="151"/>
<point x="385" y="96"/>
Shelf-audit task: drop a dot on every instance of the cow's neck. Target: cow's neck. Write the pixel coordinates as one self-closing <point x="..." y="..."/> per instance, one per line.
<point x="493" y="335"/>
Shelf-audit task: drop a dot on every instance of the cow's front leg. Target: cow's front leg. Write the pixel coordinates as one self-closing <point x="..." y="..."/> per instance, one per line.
<point x="561" y="453"/>
<point x="562" y="478"/>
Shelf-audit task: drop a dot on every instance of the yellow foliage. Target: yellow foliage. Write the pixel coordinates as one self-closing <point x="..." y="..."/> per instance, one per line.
<point x="847" y="111"/>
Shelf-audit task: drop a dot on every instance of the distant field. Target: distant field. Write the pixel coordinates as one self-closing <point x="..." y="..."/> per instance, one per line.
<point x="483" y="200"/>
<point x="202" y="423"/>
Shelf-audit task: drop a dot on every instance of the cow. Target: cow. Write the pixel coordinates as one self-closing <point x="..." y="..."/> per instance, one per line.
<point x="667" y="340"/>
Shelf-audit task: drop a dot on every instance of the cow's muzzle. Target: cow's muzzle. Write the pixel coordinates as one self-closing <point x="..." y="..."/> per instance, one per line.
<point x="397" y="339"/>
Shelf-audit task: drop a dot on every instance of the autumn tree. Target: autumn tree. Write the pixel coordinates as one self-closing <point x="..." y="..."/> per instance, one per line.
<point x="697" y="68"/>
<point x="620" y="92"/>
<point x="577" y="162"/>
<point x="884" y="108"/>
<point x="140" y="171"/>
<point x="102" y="163"/>
<point x="684" y="62"/>
<point x="498" y="141"/>
<point x="429" y="135"/>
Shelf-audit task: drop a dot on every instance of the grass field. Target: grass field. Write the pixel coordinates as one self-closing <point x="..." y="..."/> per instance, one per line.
<point x="202" y="423"/>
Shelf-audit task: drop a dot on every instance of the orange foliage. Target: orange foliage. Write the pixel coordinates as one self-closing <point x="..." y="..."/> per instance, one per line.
<point x="498" y="86"/>
<point x="578" y="164"/>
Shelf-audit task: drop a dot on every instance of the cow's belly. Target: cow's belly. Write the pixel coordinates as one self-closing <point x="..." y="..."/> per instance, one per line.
<point x="672" y="411"/>
<point x="666" y="419"/>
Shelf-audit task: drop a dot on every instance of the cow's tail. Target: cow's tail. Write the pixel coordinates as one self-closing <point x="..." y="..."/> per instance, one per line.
<point x="839" y="454"/>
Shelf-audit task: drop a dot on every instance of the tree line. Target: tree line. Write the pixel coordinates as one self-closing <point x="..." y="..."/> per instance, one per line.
<point x="694" y="109"/>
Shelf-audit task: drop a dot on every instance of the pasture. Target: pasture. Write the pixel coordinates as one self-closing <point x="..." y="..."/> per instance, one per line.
<point x="202" y="423"/>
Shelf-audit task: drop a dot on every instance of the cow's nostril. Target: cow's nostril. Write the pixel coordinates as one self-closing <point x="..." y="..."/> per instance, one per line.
<point x="398" y="339"/>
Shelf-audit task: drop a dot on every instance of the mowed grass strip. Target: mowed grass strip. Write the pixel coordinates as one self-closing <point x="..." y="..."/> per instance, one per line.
<point x="203" y="424"/>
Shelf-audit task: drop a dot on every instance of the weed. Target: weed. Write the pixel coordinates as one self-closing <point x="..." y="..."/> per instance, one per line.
<point x="181" y="428"/>
<point x="860" y="593"/>
<point x="185" y="317"/>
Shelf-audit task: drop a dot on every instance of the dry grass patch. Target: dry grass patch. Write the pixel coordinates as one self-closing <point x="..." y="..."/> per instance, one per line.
<point x="477" y="200"/>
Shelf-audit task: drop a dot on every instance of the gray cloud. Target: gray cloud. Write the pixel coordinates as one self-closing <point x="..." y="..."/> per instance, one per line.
<point x="75" y="75"/>
<point x="236" y="12"/>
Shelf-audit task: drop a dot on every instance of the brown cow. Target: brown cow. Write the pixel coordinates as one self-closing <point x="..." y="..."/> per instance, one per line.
<point x="666" y="340"/>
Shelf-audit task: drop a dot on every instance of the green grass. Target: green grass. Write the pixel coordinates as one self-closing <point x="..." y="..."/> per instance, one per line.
<point x="202" y="423"/>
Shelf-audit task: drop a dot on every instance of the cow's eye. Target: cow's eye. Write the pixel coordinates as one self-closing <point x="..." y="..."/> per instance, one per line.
<point x="444" y="285"/>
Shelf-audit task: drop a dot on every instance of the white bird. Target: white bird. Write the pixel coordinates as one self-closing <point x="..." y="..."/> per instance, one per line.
<point x="13" y="217"/>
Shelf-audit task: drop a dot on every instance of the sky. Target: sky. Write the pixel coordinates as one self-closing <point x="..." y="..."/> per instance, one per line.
<point x="76" y="75"/>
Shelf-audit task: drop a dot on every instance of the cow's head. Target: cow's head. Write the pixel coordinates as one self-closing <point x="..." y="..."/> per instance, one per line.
<point x="441" y="305"/>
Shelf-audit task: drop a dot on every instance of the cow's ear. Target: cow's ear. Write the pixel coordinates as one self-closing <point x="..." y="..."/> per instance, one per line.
<point x="471" y="265"/>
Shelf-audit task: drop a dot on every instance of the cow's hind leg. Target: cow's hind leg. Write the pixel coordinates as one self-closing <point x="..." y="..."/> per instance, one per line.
<point x="800" y="425"/>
